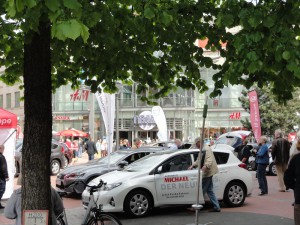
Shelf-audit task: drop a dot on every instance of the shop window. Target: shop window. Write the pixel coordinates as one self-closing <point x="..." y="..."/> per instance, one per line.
<point x="17" y="99"/>
<point x="8" y="101"/>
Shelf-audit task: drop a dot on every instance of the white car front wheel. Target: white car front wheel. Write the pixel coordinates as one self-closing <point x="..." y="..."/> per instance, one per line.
<point x="138" y="203"/>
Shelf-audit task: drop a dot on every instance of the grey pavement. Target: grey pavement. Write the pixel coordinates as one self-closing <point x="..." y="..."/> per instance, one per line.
<point x="181" y="216"/>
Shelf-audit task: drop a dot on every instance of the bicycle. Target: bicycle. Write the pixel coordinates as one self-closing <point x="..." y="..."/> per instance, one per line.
<point x="94" y="214"/>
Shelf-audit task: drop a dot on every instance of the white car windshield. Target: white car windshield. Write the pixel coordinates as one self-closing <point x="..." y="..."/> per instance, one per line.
<point x="147" y="162"/>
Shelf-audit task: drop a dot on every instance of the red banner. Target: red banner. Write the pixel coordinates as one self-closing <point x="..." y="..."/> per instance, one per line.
<point x="254" y="114"/>
<point x="7" y="119"/>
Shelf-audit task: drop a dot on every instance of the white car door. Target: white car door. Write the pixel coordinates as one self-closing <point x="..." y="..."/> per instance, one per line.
<point x="175" y="184"/>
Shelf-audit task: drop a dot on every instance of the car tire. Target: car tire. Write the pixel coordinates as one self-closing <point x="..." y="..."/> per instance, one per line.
<point x="138" y="203"/>
<point x="272" y="169"/>
<point x="234" y="194"/>
<point x="66" y="161"/>
<point x="55" y="167"/>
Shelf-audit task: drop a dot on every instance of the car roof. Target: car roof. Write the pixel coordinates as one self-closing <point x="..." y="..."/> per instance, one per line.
<point x="141" y="149"/>
<point x="179" y="151"/>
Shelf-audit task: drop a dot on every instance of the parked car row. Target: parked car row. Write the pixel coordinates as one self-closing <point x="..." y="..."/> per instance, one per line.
<point x="72" y="179"/>
<point x="60" y="156"/>
<point x="163" y="179"/>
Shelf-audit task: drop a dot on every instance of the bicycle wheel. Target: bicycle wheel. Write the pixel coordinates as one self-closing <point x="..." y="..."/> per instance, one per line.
<point x="104" y="219"/>
<point x="60" y="221"/>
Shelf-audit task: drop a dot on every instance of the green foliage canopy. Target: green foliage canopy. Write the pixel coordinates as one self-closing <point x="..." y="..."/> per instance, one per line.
<point x="149" y="42"/>
<point x="267" y="48"/>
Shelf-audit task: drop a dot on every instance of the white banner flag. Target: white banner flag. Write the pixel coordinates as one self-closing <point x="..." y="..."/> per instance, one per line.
<point x="161" y="122"/>
<point x="107" y="106"/>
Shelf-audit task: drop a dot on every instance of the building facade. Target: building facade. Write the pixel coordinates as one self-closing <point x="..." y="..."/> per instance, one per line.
<point x="183" y="110"/>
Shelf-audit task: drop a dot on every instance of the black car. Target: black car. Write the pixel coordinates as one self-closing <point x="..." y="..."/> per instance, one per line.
<point x="69" y="180"/>
<point x="59" y="158"/>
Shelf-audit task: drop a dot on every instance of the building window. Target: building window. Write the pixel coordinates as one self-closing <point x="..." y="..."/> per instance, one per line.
<point x="8" y="101"/>
<point x="1" y="101"/>
<point x="17" y="99"/>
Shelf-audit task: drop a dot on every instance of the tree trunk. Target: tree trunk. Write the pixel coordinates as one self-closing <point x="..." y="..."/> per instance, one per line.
<point x="36" y="150"/>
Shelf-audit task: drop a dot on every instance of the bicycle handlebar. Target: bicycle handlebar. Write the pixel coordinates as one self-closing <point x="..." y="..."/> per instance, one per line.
<point x="93" y="188"/>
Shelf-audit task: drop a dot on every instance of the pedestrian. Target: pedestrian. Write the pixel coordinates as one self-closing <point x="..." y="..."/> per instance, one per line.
<point x="280" y="156"/>
<point x="243" y="152"/>
<point x="80" y="149"/>
<point x="75" y="151"/>
<point x="104" y="148"/>
<point x="98" y="146"/>
<point x="13" y="209"/>
<point x="292" y="180"/>
<point x="178" y="143"/>
<point x="124" y="144"/>
<point x="91" y="149"/>
<point x="209" y="169"/>
<point x="69" y="144"/>
<point x="293" y="149"/>
<point x="262" y="162"/>
<point x="3" y="174"/>
<point x="136" y="143"/>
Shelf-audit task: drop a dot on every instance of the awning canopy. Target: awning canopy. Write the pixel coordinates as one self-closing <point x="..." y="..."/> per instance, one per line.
<point x="7" y="119"/>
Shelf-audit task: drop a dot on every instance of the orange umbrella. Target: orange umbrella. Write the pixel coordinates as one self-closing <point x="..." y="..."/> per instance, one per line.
<point x="72" y="133"/>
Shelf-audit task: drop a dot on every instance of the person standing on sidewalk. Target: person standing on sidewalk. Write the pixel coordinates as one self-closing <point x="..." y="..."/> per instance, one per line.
<point x="80" y="149"/>
<point x="209" y="169"/>
<point x="91" y="149"/>
<point x="13" y="209"/>
<point x="3" y="174"/>
<point x="280" y="156"/>
<point x="136" y="143"/>
<point x="262" y="162"/>
<point x="292" y="180"/>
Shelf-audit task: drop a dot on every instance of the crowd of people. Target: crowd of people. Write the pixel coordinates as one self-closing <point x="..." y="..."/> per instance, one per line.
<point x="287" y="162"/>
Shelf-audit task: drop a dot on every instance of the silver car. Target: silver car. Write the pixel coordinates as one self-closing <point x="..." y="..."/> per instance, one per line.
<point x="73" y="178"/>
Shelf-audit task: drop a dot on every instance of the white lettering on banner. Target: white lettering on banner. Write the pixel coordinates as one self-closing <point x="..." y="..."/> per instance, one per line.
<point x="5" y="122"/>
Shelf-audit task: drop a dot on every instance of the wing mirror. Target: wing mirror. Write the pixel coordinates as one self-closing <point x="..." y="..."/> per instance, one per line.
<point x="123" y="163"/>
<point x="159" y="170"/>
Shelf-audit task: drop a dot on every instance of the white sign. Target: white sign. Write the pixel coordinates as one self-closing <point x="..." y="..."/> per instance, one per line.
<point x="146" y="121"/>
<point x="35" y="217"/>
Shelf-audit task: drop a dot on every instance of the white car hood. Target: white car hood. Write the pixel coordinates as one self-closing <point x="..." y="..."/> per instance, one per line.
<point x="116" y="176"/>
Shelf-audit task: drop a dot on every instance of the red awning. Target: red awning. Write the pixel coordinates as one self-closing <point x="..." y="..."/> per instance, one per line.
<point x="7" y="119"/>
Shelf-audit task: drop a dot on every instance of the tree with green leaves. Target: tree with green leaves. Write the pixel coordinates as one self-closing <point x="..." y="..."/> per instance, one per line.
<point x="273" y="115"/>
<point x="53" y="42"/>
<point x="266" y="49"/>
<point x="150" y="42"/>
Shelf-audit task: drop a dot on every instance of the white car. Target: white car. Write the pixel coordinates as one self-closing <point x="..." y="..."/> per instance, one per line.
<point x="162" y="179"/>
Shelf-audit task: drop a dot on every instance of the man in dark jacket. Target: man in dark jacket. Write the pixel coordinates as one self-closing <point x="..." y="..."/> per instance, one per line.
<point x="243" y="152"/>
<point x="280" y="156"/>
<point x="91" y="149"/>
<point x="3" y="174"/>
<point x="292" y="180"/>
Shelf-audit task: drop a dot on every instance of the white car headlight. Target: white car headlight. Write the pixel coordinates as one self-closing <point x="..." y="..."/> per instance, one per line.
<point x="109" y="187"/>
